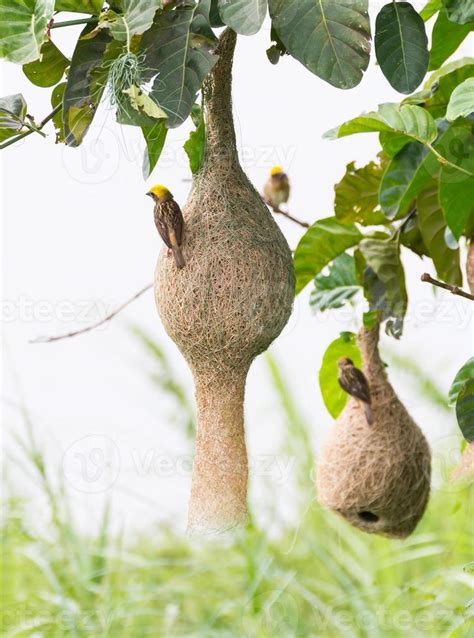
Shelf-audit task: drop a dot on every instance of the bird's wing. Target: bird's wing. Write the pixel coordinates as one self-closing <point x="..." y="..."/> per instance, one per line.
<point x="178" y="222"/>
<point x="360" y="385"/>
<point x="161" y="224"/>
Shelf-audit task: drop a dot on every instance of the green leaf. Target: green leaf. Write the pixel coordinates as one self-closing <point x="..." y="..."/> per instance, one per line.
<point x="433" y="227"/>
<point x="456" y="190"/>
<point x="243" y="16"/>
<point x="195" y="145"/>
<point x="57" y="97"/>
<point x="461" y="103"/>
<point x="338" y="287"/>
<point x="432" y="7"/>
<point x="392" y="143"/>
<point x="460" y="11"/>
<point x="214" y="15"/>
<point x="465" y="410"/>
<point x="444" y="86"/>
<point x="82" y="96"/>
<point x="79" y="6"/>
<point x="49" y="69"/>
<point x="136" y="17"/>
<point x="155" y="138"/>
<point x="334" y="397"/>
<point x="331" y="39"/>
<point x="401" y="46"/>
<point x="466" y="373"/>
<point x="413" y="121"/>
<point x="183" y="65"/>
<point x="384" y="281"/>
<point x="322" y="242"/>
<point x="410" y="170"/>
<point x="12" y="115"/>
<point x="411" y="237"/>
<point x="357" y="195"/>
<point x="446" y="38"/>
<point x="397" y="186"/>
<point x="23" y="28"/>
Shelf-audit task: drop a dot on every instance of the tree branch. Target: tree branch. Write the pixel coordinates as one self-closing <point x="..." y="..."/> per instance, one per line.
<point x="71" y="23"/>
<point x="93" y="326"/>
<point x="36" y="129"/>
<point x="277" y="209"/>
<point x="454" y="290"/>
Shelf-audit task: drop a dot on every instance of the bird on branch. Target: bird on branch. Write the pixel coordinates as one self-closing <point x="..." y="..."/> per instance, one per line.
<point x="277" y="188"/>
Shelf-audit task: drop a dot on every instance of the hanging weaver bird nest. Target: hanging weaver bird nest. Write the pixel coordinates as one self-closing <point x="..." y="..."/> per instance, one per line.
<point x="226" y="306"/>
<point x="376" y="476"/>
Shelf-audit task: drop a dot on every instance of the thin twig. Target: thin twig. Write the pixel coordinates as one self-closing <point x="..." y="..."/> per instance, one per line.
<point x="93" y="326"/>
<point x="71" y="23"/>
<point x="454" y="290"/>
<point x="36" y="129"/>
<point x="277" y="209"/>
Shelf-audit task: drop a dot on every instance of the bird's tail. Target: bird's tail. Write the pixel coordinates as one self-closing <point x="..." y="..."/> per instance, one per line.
<point x="178" y="256"/>
<point x="369" y="415"/>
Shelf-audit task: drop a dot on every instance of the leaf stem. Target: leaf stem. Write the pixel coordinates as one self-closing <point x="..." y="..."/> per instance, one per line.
<point x="71" y="23"/>
<point x="36" y="129"/>
<point x="454" y="290"/>
<point x="446" y="162"/>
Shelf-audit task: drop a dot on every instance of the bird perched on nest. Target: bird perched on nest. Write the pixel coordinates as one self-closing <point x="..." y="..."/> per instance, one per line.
<point x="353" y="381"/>
<point x="277" y="188"/>
<point x="169" y="221"/>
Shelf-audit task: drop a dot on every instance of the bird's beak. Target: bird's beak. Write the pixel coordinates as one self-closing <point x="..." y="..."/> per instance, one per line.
<point x="149" y="194"/>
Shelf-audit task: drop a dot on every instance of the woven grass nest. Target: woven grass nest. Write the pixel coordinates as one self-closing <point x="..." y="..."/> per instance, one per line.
<point x="376" y="476"/>
<point x="226" y="306"/>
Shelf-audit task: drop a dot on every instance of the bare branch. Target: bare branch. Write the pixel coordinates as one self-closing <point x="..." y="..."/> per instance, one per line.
<point x="93" y="326"/>
<point x="32" y="129"/>
<point x="454" y="290"/>
<point x="277" y="209"/>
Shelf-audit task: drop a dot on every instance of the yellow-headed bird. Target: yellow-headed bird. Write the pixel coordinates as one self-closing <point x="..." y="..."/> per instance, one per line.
<point x="169" y="221"/>
<point x="277" y="188"/>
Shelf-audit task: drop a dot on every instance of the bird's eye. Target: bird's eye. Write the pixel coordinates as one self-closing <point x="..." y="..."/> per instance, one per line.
<point x="368" y="517"/>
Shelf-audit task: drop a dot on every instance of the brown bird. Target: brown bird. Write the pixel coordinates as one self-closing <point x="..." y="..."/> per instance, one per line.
<point x="169" y="221"/>
<point x="353" y="381"/>
<point x="277" y="188"/>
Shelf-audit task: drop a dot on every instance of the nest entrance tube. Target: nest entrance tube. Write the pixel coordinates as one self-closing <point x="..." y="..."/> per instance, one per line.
<point x="227" y="305"/>
<point x="376" y="476"/>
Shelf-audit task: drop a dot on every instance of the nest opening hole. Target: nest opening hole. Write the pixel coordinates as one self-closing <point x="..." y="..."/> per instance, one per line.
<point x="368" y="517"/>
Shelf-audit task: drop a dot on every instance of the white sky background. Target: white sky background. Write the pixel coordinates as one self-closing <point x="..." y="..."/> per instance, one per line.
<point x="78" y="231"/>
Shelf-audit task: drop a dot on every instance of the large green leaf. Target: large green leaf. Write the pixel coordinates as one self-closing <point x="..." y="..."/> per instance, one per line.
<point x="446" y="38"/>
<point x="155" y="138"/>
<point x="461" y="103"/>
<point x="444" y="86"/>
<point x="57" y="97"/>
<point x="384" y="281"/>
<point x="49" y="69"/>
<point x="243" y="16"/>
<point x="322" y="242"/>
<point x="465" y="410"/>
<point x="411" y="237"/>
<point x="456" y="189"/>
<point x="433" y="227"/>
<point x="135" y="17"/>
<point x="401" y="46"/>
<point x="339" y="286"/>
<point x="410" y="170"/>
<point x="460" y="11"/>
<point x="23" y="28"/>
<point x="195" y="145"/>
<point x="12" y="115"/>
<point x="330" y="37"/>
<point x="357" y="195"/>
<point x="398" y="185"/>
<point x="412" y="121"/>
<point x="169" y="47"/>
<point x="464" y="374"/>
<point x="82" y="95"/>
<point x="333" y="395"/>
<point x="79" y="6"/>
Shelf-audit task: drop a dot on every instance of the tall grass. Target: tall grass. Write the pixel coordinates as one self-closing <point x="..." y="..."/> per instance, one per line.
<point x="318" y="578"/>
